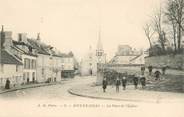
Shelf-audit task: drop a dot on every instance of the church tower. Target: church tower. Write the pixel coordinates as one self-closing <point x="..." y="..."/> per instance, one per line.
<point x="99" y="50"/>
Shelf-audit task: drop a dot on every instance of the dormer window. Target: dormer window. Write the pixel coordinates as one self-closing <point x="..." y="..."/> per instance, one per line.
<point x="30" y="49"/>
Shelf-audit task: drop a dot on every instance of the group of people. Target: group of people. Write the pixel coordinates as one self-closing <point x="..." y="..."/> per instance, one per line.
<point x="157" y="73"/>
<point x="112" y="77"/>
<point x="123" y="79"/>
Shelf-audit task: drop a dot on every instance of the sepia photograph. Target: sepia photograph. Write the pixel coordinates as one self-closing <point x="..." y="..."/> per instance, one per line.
<point x="91" y="58"/>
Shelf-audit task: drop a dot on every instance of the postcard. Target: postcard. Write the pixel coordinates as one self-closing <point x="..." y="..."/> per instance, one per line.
<point x="92" y="58"/>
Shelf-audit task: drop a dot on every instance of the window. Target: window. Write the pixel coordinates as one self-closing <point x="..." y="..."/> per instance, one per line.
<point x="24" y="76"/>
<point x="24" y="63"/>
<point x="42" y="71"/>
<point x="29" y="63"/>
<point x="33" y="64"/>
<point x="17" y="68"/>
<point x="2" y="68"/>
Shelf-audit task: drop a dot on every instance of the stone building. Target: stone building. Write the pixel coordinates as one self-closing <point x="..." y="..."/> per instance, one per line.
<point x="126" y="55"/>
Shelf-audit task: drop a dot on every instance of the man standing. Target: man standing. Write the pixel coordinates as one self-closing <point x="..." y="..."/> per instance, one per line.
<point x="117" y="84"/>
<point x="142" y="70"/>
<point x="135" y="81"/>
<point x="124" y="81"/>
<point x="104" y="84"/>
<point x="150" y="68"/>
<point x="143" y="81"/>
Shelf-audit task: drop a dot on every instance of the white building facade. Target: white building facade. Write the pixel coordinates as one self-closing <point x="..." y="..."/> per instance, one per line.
<point x="10" y="68"/>
<point x="29" y="68"/>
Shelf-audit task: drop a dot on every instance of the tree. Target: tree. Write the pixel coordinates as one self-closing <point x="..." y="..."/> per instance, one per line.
<point x="171" y="21"/>
<point x="176" y="15"/>
<point x="157" y="21"/>
<point x="149" y="33"/>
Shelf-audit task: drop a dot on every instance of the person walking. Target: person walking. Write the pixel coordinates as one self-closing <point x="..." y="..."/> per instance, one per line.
<point x="117" y="84"/>
<point x="124" y="82"/>
<point x="135" y="81"/>
<point x="104" y="84"/>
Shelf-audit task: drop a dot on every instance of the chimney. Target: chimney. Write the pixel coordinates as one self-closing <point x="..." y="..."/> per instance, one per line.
<point x="2" y="38"/>
<point x="38" y="37"/>
<point x="7" y="40"/>
<point x="22" y="37"/>
<point x="2" y="30"/>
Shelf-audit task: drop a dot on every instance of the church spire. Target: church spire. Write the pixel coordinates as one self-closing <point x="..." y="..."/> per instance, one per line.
<point x="99" y="49"/>
<point x="99" y="43"/>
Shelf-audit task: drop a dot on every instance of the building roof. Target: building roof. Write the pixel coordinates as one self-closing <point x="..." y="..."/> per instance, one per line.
<point x="6" y="58"/>
<point x="64" y="55"/>
<point x="47" y="49"/>
<point x="136" y="57"/>
<point x="124" y="46"/>
<point x="41" y="48"/>
<point x="16" y="46"/>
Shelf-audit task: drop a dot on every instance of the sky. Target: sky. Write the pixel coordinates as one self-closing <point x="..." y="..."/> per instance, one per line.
<point x="73" y="25"/>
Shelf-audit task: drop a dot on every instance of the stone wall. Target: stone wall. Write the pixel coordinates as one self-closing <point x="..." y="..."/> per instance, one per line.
<point x="172" y="61"/>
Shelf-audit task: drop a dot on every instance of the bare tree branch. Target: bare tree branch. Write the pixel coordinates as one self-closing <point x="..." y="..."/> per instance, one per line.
<point x="149" y="33"/>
